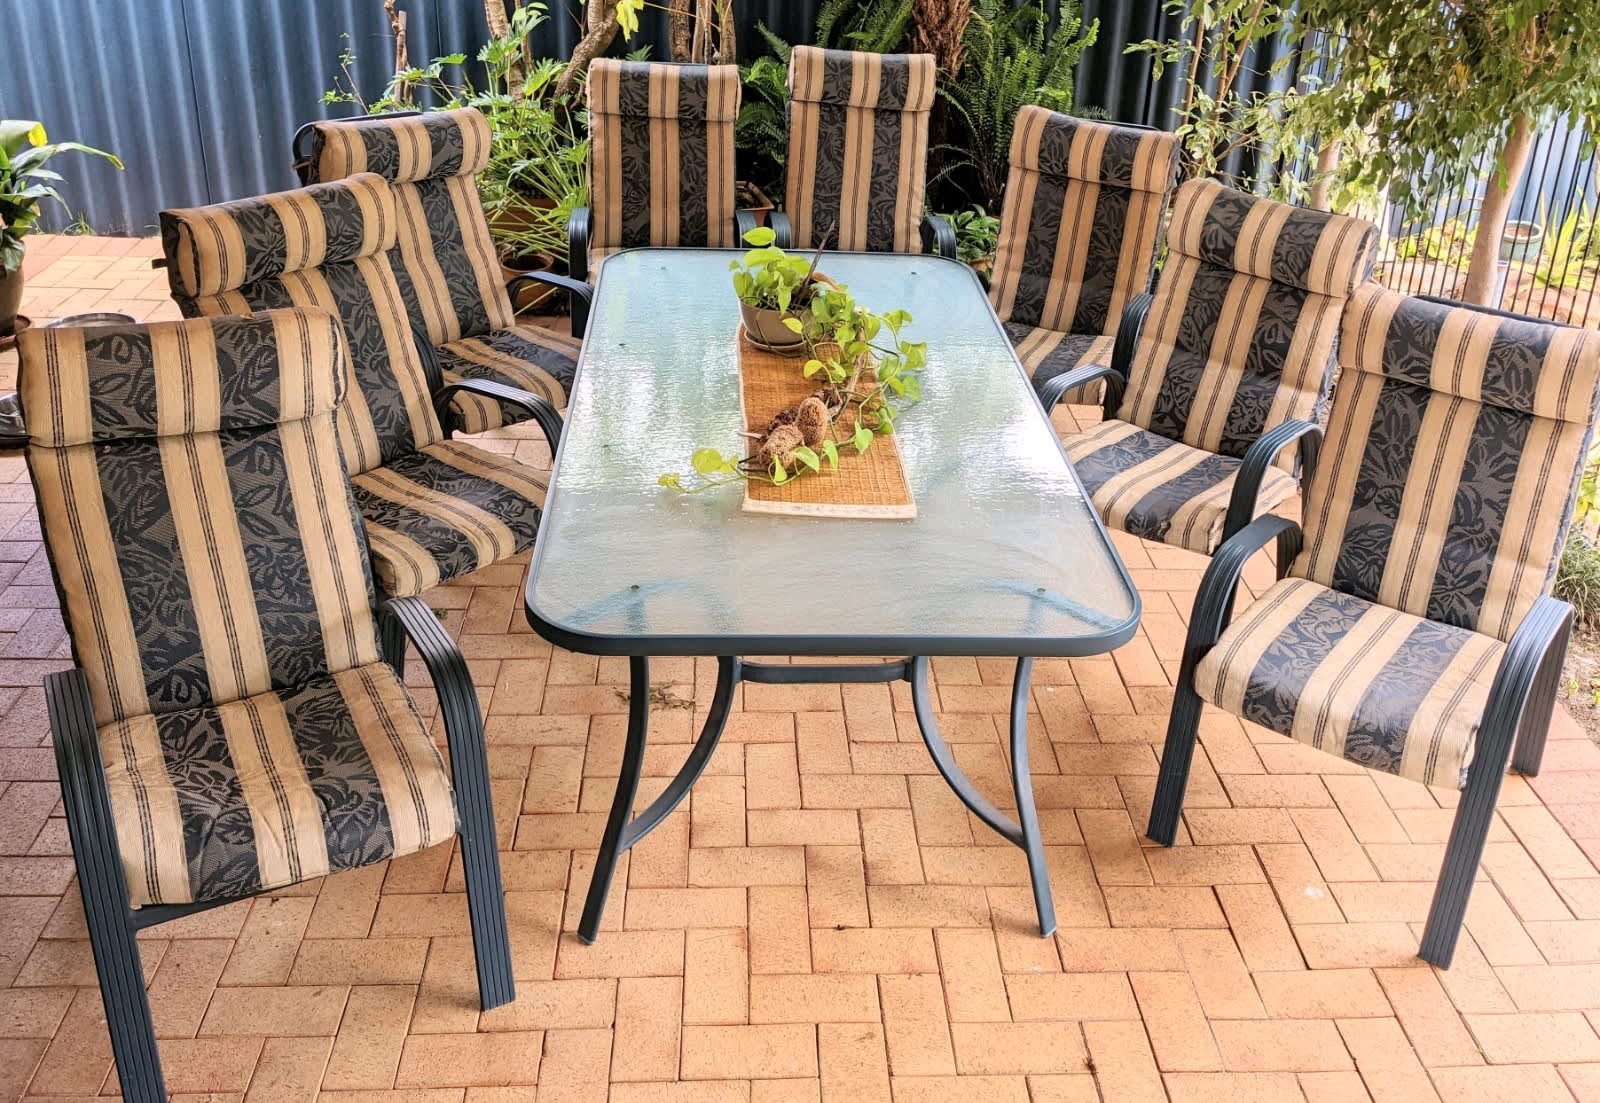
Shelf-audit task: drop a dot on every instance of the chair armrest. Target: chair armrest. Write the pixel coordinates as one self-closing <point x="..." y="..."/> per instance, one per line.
<point x="81" y="772"/>
<point x="577" y="288"/>
<point x="548" y="417"/>
<point x="781" y="227"/>
<point x="1539" y="641"/>
<point x="1213" y="601"/>
<point x="1258" y="457"/>
<point x="938" y="237"/>
<point x="1051" y="390"/>
<point x="578" y="244"/>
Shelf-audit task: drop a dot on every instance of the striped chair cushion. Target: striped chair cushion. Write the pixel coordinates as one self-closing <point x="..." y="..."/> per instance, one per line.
<point x="446" y="511"/>
<point x="858" y="148"/>
<point x="531" y="358"/>
<point x="215" y="584"/>
<point x="1047" y="353"/>
<point x="223" y="801"/>
<point x="1081" y="220"/>
<point x="195" y="509"/>
<point x="1149" y="486"/>
<point x="1380" y="687"/>
<point x="1454" y="448"/>
<point x="450" y="277"/>
<point x="450" y="274"/>
<point x="1242" y="332"/>
<point x="661" y="151"/>
<point x="330" y="246"/>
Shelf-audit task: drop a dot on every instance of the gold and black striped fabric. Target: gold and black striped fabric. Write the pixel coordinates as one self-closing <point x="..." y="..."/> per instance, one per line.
<point x="331" y="246"/>
<point x="1435" y="518"/>
<point x="1161" y="489"/>
<point x="1079" y="230"/>
<point x="216" y="587"/>
<point x="450" y="277"/>
<point x="661" y="153"/>
<point x="531" y="358"/>
<point x="1240" y="337"/>
<point x="445" y="511"/>
<point x="1242" y="332"/>
<point x="858" y="148"/>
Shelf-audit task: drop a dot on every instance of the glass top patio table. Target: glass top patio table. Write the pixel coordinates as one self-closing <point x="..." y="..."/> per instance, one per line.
<point x="1006" y="555"/>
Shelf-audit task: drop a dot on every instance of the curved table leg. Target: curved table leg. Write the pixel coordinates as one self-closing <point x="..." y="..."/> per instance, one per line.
<point x="1024" y="835"/>
<point x="621" y="830"/>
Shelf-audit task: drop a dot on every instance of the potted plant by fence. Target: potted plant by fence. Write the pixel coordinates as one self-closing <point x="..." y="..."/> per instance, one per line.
<point x="24" y="183"/>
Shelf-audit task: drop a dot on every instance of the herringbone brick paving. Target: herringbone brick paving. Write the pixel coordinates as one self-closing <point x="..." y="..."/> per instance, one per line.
<point x="823" y="920"/>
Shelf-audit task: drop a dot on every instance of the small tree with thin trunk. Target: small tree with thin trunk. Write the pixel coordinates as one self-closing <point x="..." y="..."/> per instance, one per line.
<point x="1441" y="86"/>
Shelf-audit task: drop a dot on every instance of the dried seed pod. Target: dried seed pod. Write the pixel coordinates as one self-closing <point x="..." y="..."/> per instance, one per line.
<point x="812" y="420"/>
<point x="783" y="417"/>
<point x="778" y="447"/>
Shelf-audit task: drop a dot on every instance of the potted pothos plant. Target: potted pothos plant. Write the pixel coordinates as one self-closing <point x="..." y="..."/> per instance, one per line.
<point x="774" y="287"/>
<point x="24" y="183"/>
<point x="869" y="374"/>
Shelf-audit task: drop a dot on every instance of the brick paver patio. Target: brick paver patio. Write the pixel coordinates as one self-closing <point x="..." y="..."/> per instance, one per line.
<point x="823" y="920"/>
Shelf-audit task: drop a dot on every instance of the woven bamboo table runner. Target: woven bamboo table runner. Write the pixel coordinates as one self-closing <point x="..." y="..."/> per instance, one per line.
<point x="872" y="486"/>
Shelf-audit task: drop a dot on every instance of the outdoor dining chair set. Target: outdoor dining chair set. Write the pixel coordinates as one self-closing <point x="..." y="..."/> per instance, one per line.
<point x="242" y="509"/>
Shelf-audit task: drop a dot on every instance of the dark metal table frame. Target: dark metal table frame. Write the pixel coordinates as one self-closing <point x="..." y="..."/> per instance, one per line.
<point x="624" y="829"/>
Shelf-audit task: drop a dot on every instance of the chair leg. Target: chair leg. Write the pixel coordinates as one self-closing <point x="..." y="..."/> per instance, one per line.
<point x="1183" y="729"/>
<point x="1467" y="836"/>
<point x="104" y="888"/>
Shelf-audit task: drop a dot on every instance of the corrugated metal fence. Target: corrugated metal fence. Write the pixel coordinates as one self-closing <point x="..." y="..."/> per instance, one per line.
<point x="201" y="97"/>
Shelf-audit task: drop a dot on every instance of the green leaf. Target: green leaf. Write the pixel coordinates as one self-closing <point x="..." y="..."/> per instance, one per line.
<point x="812" y="368"/>
<point x="831" y="450"/>
<point x="673" y="481"/>
<point x="707" y="461"/>
<point x="794" y="324"/>
<point x="862" y="439"/>
<point x="760" y="236"/>
<point x="808" y="457"/>
<point x="779" y="475"/>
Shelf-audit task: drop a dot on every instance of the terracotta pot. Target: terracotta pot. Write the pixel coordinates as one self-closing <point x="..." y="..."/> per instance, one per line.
<point x="10" y="300"/>
<point x="754" y="200"/>
<point x="531" y="297"/>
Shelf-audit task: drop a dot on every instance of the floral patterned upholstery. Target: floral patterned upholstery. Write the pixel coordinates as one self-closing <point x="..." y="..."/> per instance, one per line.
<point x="387" y="419"/>
<point x="449" y="276"/>
<point x="1240" y="337"/>
<point x="858" y="148"/>
<point x="661" y="154"/>
<point x="1435" y="518"/>
<point x="446" y="511"/>
<point x="217" y="591"/>
<point x="1082" y="217"/>
<point x="1161" y="489"/>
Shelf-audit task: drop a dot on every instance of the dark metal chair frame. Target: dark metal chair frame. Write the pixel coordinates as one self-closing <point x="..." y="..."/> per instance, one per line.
<point x="938" y="236"/>
<point x="1513" y="731"/>
<point x="114" y="924"/>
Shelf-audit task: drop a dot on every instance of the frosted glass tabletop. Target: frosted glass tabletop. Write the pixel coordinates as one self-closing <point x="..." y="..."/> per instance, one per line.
<point x="1005" y="556"/>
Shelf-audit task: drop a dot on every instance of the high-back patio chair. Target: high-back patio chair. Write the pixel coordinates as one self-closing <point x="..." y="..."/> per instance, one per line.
<point x="230" y="726"/>
<point x="1413" y="634"/>
<point x="661" y="161"/>
<point x="858" y="154"/>
<point x="450" y="276"/>
<point x="1239" y="339"/>
<point x="434" y="508"/>
<point x="1078" y="235"/>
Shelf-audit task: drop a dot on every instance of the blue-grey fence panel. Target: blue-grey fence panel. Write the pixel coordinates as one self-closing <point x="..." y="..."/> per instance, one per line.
<point x="201" y="97"/>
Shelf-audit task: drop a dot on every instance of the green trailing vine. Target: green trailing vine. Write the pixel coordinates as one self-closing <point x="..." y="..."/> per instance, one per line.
<point x="869" y="374"/>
